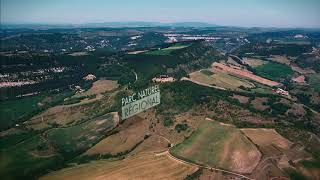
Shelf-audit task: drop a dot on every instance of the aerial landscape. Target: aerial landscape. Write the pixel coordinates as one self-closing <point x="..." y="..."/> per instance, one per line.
<point x="160" y="90"/>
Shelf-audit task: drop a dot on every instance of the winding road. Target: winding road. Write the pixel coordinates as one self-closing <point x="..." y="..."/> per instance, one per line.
<point x="135" y="75"/>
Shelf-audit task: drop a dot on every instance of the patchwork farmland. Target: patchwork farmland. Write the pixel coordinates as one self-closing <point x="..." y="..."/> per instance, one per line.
<point x="220" y="79"/>
<point x="243" y="73"/>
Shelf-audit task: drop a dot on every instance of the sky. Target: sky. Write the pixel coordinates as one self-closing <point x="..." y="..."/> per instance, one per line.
<point x="246" y="13"/>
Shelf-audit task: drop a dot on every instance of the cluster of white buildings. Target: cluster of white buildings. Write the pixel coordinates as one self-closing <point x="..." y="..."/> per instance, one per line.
<point x="163" y="79"/>
<point x="282" y="92"/>
<point x="90" y="77"/>
<point x="17" y="83"/>
<point x="177" y="37"/>
<point x="90" y="48"/>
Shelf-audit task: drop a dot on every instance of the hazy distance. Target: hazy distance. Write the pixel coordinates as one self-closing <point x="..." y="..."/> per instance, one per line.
<point x="247" y="13"/>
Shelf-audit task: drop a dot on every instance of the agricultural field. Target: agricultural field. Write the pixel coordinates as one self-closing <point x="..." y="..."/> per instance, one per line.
<point x="274" y="71"/>
<point x="241" y="99"/>
<point x="75" y="139"/>
<point x="220" y="79"/>
<point x="207" y="174"/>
<point x="60" y="115"/>
<point x="260" y="103"/>
<point x="267" y="139"/>
<point x="154" y="144"/>
<point x="279" y="153"/>
<point x="272" y="143"/>
<point x="76" y="54"/>
<point x="98" y="87"/>
<point x="304" y="71"/>
<point x="137" y="52"/>
<point x="267" y="169"/>
<point x="131" y="132"/>
<point x="96" y="92"/>
<point x="144" y="166"/>
<point x="72" y="112"/>
<point x="245" y="73"/>
<point x="207" y="72"/>
<point x="254" y="62"/>
<point x="294" y="41"/>
<point x="175" y="47"/>
<point x="309" y="169"/>
<point x="280" y="59"/>
<point x="219" y="145"/>
<point x="299" y="79"/>
<point x="166" y="51"/>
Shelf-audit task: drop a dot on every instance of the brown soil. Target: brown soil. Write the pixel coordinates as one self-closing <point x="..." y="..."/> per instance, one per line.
<point x="259" y="103"/>
<point x="144" y="167"/>
<point x="224" y="110"/>
<point x="297" y="110"/>
<point x="253" y="62"/>
<point x="79" y="54"/>
<point x="241" y="99"/>
<point x="154" y="144"/>
<point x="49" y="151"/>
<point x="10" y="131"/>
<point x="302" y="70"/>
<point x="99" y="87"/>
<point x="131" y="132"/>
<point x="280" y="59"/>
<point x="208" y="174"/>
<point x="264" y="137"/>
<point x="267" y="170"/>
<point x="59" y="114"/>
<point x="299" y="79"/>
<point x="192" y="118"/>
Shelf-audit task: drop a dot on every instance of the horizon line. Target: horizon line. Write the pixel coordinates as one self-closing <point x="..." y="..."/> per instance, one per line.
<point x="158" y="22"/>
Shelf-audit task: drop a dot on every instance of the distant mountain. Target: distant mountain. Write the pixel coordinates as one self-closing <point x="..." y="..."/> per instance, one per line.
<point x="192" y="24"/>
<point x="121" y="24"/>
<point x="108" y="24"/>
<point x="149" y="24"/>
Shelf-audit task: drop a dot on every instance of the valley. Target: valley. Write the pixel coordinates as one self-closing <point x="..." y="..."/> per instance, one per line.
<point x="233" y="103"/>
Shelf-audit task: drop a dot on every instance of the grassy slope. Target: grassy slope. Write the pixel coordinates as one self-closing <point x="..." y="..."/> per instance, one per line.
<point x="75" y="139"/>
<point x="274" y="71"/>
<point x="15" y="111"/>
<point x="15" y="138"/>
<point x="314" y="81"/>
<point x="215" y="145"/>
<point x="17" y="162"/>
<point x="166" y="51"/>
<point x="133" y="132"/>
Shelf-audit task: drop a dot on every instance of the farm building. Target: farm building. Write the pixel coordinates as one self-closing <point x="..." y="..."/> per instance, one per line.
<point x="163" y="78"/>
